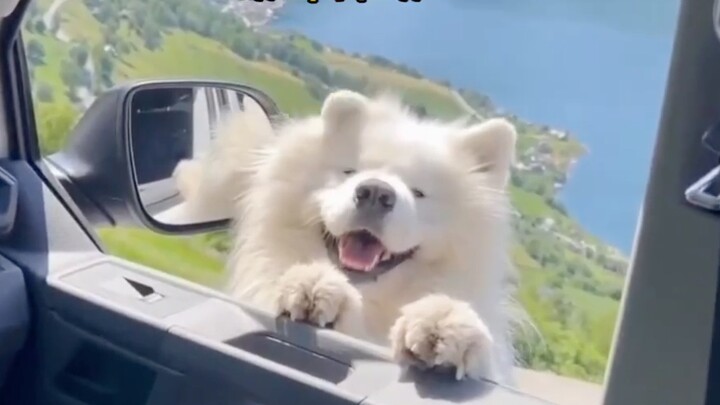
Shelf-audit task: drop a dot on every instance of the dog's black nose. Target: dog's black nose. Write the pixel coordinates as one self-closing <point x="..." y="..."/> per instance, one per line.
<point x="374" y="194"/>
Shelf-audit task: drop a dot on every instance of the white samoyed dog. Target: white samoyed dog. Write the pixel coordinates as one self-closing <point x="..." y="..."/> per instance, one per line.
<point x="383" y="225"/>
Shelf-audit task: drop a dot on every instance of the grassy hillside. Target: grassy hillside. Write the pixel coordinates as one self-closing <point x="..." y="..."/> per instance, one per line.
<point x="186" y="54"/>
<point x="570" y="281"/>
<point x="435" y="97"/>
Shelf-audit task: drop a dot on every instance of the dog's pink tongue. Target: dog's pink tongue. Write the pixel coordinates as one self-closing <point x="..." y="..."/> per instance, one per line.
<point x="358" y="254"/>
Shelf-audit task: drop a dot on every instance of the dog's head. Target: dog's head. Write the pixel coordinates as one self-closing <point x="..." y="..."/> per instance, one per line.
<point x="383" y="187"/>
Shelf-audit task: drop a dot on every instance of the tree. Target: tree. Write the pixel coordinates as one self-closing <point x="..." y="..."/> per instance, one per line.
<point x="35" y="52"/>
<point x="29" y="25"/>
<point x="106" y="12"/>
<point x="161" y="13"/>
<point x="242" y="48"/>
<point x="151" y="36"/>
<point x="44" y="93"/>
<point x="106" y="65"/>
<point x="40" y="26"/>
<point x="55" y="121"/>
<point x="316" y="46"/>
<point x="73" y="75"/>
<point x="80" y="54"/>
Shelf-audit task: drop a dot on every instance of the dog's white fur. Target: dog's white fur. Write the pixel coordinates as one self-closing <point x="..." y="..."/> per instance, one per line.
<point x="209" y="184"/>
<point x="447" y="305"/>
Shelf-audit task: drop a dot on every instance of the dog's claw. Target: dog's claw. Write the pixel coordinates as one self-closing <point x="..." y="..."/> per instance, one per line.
<point x="423" y="324"/>
<point x="459" y="372"/>
<point x="315" y="294"/>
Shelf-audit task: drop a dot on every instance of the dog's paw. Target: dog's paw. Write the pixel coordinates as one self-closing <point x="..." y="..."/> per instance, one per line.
<point x="317" y="294"/>
<point x="437" y="331"/>
<point x="187" y="175"/>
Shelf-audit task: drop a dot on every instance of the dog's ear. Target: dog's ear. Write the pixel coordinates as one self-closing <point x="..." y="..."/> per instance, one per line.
<point x="491" y="145"/>
<point x="344" y="112"/>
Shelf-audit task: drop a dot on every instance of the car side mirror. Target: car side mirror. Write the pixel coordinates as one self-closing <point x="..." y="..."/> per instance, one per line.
<point x="120" y="160"/>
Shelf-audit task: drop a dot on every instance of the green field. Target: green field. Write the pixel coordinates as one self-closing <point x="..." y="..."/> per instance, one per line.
<point x="569" y="291"/>
<point x="183" y="257"/>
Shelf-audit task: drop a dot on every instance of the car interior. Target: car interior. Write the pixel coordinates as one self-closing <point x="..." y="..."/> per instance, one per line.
<point x="81" y="327"/>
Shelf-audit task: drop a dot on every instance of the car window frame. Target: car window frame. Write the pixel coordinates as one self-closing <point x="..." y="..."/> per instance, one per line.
<point x="23" y="144"/>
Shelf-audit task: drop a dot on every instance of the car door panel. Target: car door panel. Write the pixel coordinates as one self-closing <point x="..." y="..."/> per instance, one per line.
<point x="14" y="314"/>
<point x="14" y="309"/>
<point x="211" y="342"/>
<point x="175" y="342"/>
<point x="26" y="247"/>
<point x="85" y="368"/>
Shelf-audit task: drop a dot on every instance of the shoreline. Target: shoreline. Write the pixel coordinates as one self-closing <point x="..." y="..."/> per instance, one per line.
<point x="260" y="15"/>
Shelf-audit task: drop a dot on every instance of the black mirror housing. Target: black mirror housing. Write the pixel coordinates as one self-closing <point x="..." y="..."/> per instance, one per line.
<point x="97" y="166"/>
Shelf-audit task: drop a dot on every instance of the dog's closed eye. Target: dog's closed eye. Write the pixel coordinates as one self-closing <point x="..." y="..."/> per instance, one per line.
<point x="418" y="193"/>
<point x="349" y="172"/>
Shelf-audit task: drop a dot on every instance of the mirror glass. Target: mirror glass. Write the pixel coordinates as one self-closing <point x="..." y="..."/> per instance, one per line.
<point x="170" y="126"/>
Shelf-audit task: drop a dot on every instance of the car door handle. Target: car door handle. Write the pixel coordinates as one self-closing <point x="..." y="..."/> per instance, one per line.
<point x="705" y="192"/>
<point x="700" y="193"/>
<point x="8" y="202"/>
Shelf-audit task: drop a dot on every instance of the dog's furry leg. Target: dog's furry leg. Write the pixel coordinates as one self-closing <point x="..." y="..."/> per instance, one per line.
<point x="319" y="294"/>
<point x="211" y="184"/>
<point x="439" y="331"/>
<point x="188" y="176"/>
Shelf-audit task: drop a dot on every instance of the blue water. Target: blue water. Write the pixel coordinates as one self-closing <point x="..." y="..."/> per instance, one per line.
<point x="594" y="67"/>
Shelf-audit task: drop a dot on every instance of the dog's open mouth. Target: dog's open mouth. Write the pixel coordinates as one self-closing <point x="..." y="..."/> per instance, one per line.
<point x="362" y="253"/>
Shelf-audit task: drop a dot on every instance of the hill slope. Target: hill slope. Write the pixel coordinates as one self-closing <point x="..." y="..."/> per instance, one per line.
<point x="570" y="282"/>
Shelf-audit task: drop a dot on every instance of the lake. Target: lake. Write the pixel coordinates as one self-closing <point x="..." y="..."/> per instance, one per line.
<point x="596" y="68"/>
